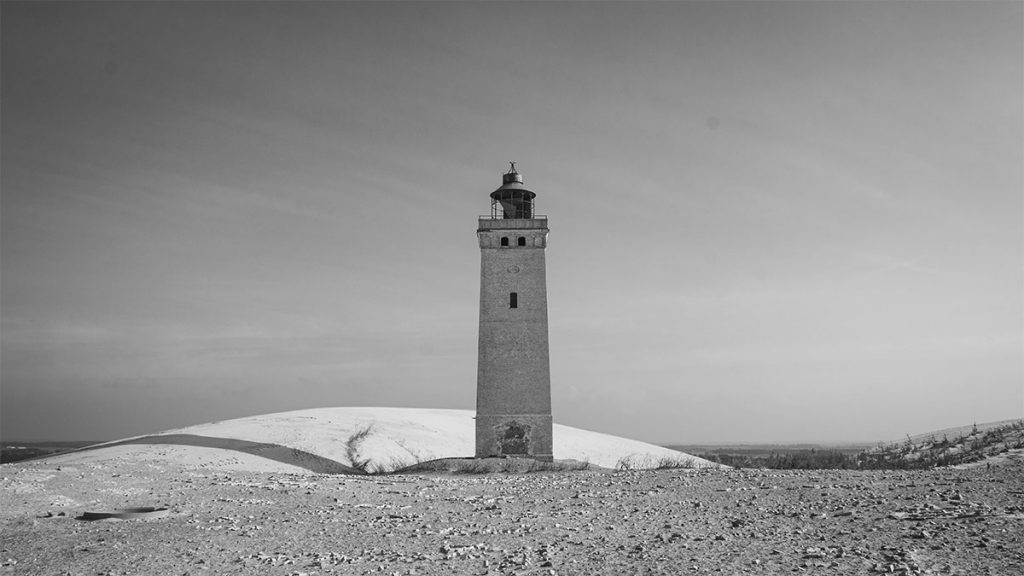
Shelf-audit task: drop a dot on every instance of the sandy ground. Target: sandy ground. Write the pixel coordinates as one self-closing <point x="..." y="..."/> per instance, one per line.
<point x="945" y="521"/>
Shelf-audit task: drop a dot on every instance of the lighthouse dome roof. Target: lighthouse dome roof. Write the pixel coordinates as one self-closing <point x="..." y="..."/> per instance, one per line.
<point x="512" y="181"/>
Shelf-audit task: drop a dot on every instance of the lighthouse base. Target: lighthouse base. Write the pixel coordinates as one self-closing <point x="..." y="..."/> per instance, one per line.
<point x="522" y="435"/>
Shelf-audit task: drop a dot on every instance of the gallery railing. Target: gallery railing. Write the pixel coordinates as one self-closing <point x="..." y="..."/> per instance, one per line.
<point x="489" y="222"/>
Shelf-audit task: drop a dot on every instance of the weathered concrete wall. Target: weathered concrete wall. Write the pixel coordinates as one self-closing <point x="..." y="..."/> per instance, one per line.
<point x="513" y="373"/>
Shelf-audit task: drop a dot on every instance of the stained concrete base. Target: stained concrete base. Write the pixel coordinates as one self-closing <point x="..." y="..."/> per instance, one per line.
<point x="520" y="435"/>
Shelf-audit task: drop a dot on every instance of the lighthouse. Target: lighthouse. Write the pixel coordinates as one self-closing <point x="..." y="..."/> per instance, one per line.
<point x="513" y="390"/>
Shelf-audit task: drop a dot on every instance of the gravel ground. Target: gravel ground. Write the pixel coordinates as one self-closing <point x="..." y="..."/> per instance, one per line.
<point x="944" y="521"/>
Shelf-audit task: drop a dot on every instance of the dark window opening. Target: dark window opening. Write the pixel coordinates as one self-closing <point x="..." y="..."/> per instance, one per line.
<point x="513" y="300"/>
<point x="504" y="240"/>
<point x="522" y="241"/>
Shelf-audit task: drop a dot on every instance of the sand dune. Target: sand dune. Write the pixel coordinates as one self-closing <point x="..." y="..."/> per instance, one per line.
<point x="323" y="440"/>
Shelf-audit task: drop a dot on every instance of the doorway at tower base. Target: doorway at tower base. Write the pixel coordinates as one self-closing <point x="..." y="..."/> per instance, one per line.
<point x="522" y="435"/>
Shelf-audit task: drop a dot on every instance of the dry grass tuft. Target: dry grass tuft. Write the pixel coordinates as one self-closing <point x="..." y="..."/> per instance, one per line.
<point x="493" y="466"/>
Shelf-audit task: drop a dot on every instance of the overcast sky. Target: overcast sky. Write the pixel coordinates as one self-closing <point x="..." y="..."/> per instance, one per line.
<point x="770" y="221"/>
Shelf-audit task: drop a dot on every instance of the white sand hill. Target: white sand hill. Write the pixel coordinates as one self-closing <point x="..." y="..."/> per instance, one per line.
<point x="320" y="440"/>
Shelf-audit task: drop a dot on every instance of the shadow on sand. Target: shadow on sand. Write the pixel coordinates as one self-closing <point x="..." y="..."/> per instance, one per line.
<point x="275" y="452"/>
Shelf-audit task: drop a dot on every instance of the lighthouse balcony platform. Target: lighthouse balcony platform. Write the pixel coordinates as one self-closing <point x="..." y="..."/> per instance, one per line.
<point x="499" y="223"/>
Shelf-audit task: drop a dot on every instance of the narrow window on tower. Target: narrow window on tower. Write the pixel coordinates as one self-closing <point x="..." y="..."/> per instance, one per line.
<point x="513" y="300"/>
<point x="522" y="241"/>
<point x="504" y="240"/>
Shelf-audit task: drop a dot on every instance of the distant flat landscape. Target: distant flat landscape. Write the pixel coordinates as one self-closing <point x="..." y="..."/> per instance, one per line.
<point x="15" y="451"/>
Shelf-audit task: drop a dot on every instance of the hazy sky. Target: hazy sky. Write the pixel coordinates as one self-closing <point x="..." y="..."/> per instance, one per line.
<point x="770" y="221"/>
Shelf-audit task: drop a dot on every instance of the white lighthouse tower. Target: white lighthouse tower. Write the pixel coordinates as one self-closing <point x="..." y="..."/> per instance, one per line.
<point x="513" y="391"/>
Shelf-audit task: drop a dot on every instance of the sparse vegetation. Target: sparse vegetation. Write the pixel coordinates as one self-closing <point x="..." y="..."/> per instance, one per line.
<point x="393" y="465"/>
<point x="931" y="452"/>
<point x="558" y="466"/>
<point x="674" y="462"/>
<point x="637" y="462"/>
<point x="909" y="454"/>
<point x="352" y="449"/>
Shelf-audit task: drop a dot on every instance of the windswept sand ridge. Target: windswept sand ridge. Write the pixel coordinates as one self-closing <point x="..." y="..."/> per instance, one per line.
<point x="957" y="431"/>
<point x="964" y="446"/>
<point x="328" y="440"/>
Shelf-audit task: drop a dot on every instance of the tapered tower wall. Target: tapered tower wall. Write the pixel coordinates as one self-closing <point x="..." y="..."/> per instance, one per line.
<point x="513" y="372"/>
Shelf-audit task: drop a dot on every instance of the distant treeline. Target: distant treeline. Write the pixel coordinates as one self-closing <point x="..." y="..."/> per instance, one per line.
<point x="906" y="455"/>
<point x="804" y="459"/>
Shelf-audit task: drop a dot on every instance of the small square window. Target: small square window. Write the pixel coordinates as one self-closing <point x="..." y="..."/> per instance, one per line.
<point x="504" y="240"/>
<point x="522" y="241"/>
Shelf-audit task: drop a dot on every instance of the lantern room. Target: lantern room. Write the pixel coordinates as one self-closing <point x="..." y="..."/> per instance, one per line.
<point x="512" y="200"/>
